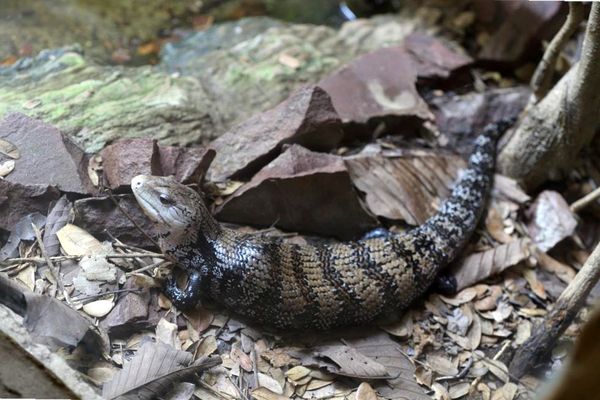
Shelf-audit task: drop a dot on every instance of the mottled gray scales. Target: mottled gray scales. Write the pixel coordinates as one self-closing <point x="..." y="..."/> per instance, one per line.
<point x="313" y="286"/>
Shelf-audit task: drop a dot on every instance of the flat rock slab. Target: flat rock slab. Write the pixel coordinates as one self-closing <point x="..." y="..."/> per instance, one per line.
<point x="434" y="59"/>
<point x="307" y="118"/>
<point x="409" y="187"/>
<point x="301" y="191"/>
<point x="17" y="201"/>
<point x="99" y="215"/>
<point x="378" y="85"/>
<point x="126" y="158"/>
<point x="46" y="156"/>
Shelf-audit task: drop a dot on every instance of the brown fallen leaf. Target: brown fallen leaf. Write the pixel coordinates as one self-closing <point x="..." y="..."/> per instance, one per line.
<point x="479" y="266"/>
<point x="365" y="392"/>
<point x="407" y="188"/>
<point x="381" y="348"/>
<point x="76" y="241"/>
<point x="442" y="365"/>
<point x="350" y="362"/>
<point x="153" y="371"/>
<point x="563" y="271"/>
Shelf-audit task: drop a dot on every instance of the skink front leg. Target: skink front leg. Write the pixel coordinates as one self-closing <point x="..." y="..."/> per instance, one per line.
<point x="184" y="299"/>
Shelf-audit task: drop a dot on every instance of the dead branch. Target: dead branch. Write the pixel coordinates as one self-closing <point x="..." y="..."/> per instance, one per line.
<point x="554" y="130"/>
<point x="585" y="200"/>
<point x="558" y="320"/>
<point x="542" y="77"/>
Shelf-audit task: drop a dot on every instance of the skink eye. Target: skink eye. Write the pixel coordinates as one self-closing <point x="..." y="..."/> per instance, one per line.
<point x="165" y="200"/>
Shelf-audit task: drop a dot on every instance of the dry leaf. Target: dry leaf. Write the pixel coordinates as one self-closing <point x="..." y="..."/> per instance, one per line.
<point x="562" y="271"/>
<point x="365" y="392"/>
<point x="459" y="390"/>
<point x="241" y="358"/>
<point x="6" y="168"/>
<point x="150" y="374"/>
<point x="494" y="224"/>
<point x="269" y="383"/>
<point x="166" y="332"/>
<point x="9" y="149"/>
<point x="506" y="392"/>
<point x="288" y="61"/>
<point x="77" y="242"/>
<point x="479" y="266"/>
<point x="464" y="296"/>
<point x="297" y="373"/>
<point x="262" y="393"/>
<point x="536" y="286"/>
<point x="551" y="220"/>
<point x="441" y="365"/>
<point x="402" y="328"/>
<point x="498" y="368"/>
<point x="98" y="308"/>
<point x="348" y="361"/>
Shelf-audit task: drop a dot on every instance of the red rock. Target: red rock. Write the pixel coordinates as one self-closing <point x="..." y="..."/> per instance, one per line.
<point x="434" y="59"/>
<point x="100" y="215"/>
<point x="307" y="118"/>
<point x="129" y="315"/>
<point x="301" y="191"/>
<point x="378" y="86"/>
<point x="409" y="187"/>
<point x="16" y="201"/>
<point x="47" y="157"/>
<point x="187" y="164"/>
<point x="126" y="158"/>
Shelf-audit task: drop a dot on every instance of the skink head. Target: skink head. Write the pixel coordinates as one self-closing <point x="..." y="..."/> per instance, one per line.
<point x="178" y="211"/>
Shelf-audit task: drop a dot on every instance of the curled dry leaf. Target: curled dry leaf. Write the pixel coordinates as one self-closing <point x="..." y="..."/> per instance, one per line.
<point x="9" y="149"/>
<point x="464" y="296"/>
<point x="563" y="271"/>
<point x="479" y="266"/>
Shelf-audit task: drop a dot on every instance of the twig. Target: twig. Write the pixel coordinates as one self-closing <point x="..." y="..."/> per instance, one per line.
<point x="110" y="195"/>
<point x="146" y="268"/>
<point x="40" y="260"/>
<point x="95" y="296"/>
<point x="559" y="318"/>
<point x="542" y="77"/>
<point x="585" y="200"/>
<point x="53" y="269"/>
<point x="461" y="374"/>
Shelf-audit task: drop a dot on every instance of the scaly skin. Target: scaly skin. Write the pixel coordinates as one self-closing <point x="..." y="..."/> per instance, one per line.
<point x="312" y="286"/>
